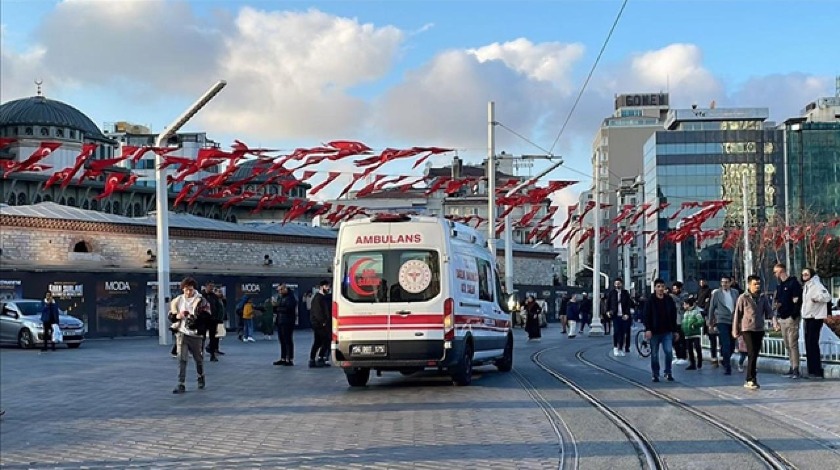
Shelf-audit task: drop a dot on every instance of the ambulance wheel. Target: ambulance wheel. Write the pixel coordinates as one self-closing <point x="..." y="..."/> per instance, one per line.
<point x="505" y="364"/>
<point x="357" y="377"/>
<point x="462" y="375"/>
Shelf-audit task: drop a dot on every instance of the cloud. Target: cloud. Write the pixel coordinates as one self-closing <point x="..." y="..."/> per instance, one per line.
<point x="19" y="70"/>
<point x="291" y="74"/>
<point x="790" y="93"/>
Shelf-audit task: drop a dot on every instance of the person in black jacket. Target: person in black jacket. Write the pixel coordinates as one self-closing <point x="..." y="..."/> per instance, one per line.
<point x="217" y="316"/>
<point x="285" y="311"/>
<point x="619" y="304"/>
<point x="320" y="317"/>
<point x="661" y="328"/>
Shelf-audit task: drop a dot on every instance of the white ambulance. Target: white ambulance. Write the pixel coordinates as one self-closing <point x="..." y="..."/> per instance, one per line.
<point x="412" y="293"/>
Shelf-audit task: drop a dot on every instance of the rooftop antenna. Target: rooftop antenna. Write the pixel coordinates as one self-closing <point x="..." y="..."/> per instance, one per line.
<point x="38" y="83"/>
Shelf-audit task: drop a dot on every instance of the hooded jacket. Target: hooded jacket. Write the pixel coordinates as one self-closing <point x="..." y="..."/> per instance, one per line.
<point x="814" y="298"/>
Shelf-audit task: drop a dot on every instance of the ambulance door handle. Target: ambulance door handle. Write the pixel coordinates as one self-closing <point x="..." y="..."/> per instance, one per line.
<point x="403" y="312"/>
<point x="470" y="304"/>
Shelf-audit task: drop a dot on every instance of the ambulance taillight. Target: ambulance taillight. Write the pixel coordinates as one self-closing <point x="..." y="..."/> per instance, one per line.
<point x="335" y="322"/>
<point x="448" y="319"/>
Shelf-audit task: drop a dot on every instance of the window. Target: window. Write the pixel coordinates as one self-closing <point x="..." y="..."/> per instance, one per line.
<point x="81" y="247"/>
<point x="391" y="276"/>
<point x="485" y="280"/>
<point x="59" y="132"/>
<point x="73" y="134"/>
<point x="45" y="131"/>
<point x="28" y="131"/>
<point x="21" y="199"/>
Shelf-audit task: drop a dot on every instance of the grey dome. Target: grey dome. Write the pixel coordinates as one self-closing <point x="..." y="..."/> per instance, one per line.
<point x="40" y="111"/>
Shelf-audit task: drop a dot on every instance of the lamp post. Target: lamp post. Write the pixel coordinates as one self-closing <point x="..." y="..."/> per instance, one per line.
<point x="595" y="327"/>
<point x="162" y="208"/>
<point x="491" y="178"/>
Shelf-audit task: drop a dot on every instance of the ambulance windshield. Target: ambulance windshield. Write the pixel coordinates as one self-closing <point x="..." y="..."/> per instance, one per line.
<point x="390" y="276"/>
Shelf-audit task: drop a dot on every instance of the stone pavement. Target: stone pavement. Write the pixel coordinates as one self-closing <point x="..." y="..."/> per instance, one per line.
<point x="109" y="405"/>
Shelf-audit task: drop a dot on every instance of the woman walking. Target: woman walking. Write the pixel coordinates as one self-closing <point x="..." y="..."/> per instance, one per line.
<point x="532" y="318"/>
<point x="814" y="299"/>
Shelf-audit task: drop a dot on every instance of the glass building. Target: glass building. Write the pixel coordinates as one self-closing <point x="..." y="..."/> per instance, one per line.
<point x="704" y="155"/>
<point x="813" y="163"/>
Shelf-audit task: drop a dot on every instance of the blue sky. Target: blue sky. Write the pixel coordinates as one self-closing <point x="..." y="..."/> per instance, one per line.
<point x="402" y="73"/>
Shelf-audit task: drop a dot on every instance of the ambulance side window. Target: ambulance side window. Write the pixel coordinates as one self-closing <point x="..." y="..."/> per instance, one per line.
<point x="485" y="279"/>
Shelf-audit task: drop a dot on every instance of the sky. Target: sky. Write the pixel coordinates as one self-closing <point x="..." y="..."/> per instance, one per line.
<point x="415" y="73"/>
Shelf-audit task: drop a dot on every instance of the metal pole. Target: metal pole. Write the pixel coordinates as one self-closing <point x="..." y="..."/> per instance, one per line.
<point x="596" y="328"/>
<point x="491" y="179"/>
<point x="626" y="265"/>
<point x="162" y="209"/>
<point x="747" y="251"/>
<point x="787" y="196"/>
<point x="679" y="257"/>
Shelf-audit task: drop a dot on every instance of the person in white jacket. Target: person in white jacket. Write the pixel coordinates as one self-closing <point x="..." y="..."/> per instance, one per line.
<point x="814" y="299"/>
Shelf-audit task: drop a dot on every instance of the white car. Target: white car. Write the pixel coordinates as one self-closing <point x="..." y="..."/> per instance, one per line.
<point x="20" y="323"/>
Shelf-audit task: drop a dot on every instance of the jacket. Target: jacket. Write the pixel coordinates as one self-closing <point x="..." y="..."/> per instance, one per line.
<point x="692" y="324"/>
<point x="217" y="307"/>
<point x="704" y="295"/>
<point x="814" y="298"/>
<point x="319" y="314"/>
<point x="199" y="314"/>
<point x="718" y="313"/>
<point x="573" y="311"/>
<point x="613" y="301"/>
<point x="785" y="293"/>
<point x="661" y="315"/>
<point x="750" y="314"/>
<point x="286" y="309"/>
<point x="50" y="313"/>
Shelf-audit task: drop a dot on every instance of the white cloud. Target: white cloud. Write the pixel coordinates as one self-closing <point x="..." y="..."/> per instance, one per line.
<point x="548" y="61"/>
<point x="790" y="93"/>
<point x="19" y="70"/>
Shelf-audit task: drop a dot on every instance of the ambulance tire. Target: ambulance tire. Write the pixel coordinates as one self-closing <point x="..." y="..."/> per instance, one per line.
<point x="505" y="364"/>
<point x="462" y="373"/>
<point x="357" y="377"/>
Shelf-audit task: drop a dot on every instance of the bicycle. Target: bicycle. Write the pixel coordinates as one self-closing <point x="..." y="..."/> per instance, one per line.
<point x="642" y="344"/>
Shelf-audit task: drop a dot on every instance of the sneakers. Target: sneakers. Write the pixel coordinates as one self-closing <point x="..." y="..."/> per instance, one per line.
<point x="691" y="367"/>
<point x="740" y="368"/>
<point x="250" y="340"/>
<point x="181" y="388"/>
<point x="279" y="362"/>
<point x="795" y="375"/>
<point x="656" y="378"/>
<point x="214" y="359"/>
<point x="323" y="362"/>
<point x="788" y="374"/>
<point x="615" y="352"/>
<point x="621" y="353"/>
<point x="201" y="382"/>
<point x="314" y="364"/>
<point x="715" y="363"/>
<point x="752" y="385"/>
<point x="289" y="363"/>
<point x="669" y="377"/>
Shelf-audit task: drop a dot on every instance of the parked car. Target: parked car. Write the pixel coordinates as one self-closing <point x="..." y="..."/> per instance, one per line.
<point x="20" y="323"/>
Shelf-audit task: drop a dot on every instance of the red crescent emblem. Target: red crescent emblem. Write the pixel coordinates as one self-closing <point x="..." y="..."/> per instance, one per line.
<point x="353" y="277"/>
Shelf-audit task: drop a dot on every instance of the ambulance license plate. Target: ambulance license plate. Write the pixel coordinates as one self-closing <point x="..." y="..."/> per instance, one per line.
<point x="368" y="350"/>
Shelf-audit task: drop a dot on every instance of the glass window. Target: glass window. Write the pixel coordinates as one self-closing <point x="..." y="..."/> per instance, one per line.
<point x="45" y="131"/>
<point x="391" y="276"/>
<point x="485" y="280"/>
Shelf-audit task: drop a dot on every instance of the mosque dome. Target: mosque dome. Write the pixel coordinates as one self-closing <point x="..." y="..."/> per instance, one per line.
<point x="40" y="111"/>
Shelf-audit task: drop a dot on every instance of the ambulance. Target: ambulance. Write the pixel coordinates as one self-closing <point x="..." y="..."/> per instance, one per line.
<point x="413" y="293"/>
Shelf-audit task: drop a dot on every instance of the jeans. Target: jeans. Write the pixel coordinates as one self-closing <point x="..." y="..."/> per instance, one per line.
<point x="713" y="345"/>
<point x="725" y="335"/>
<point x="285" y="334"/>
<point x="247" y="327"/>
<point x="753" y="341"/>
<point x="812" y="346"/>
<point x="621" y="334"/>
<point x="666" y="340"/>
<point x="790" y="333"/>
<point x="189" y="345"/>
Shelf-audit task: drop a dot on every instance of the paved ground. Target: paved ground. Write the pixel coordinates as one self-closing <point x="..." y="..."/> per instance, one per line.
<point x="109" y="405"/>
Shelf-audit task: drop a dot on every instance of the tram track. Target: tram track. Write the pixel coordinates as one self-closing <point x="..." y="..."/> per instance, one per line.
<point x="569" y="457"/>
<point x="770" y="458"/>
<point x="647" y="454"/>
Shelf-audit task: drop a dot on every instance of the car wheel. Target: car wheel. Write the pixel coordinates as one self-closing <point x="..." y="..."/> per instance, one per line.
<point x="25" y="339"/>
<point x="357" y="377"/>
<point x="505" y="364"/>
<point x="462" y="375"/>
<point x="74" y="345"/>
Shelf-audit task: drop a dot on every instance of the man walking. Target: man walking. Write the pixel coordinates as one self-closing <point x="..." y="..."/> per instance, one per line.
<point x="191" y="312"/>
<point x="704" y="295"/>
<point x="618" y="309"/>
<point x="661" y="328"/>
<point x="748" y="321"/>
<point x="320" y="316"/>
<point x="285" y="311"/>
<point x="788" y="303"/>
<point x="679" y="299"/>
<point x="721" y="306"/>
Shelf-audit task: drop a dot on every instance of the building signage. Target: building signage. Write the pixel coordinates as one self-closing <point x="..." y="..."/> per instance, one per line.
<point x="648" y="99"/>
<point x="11" y="289"/>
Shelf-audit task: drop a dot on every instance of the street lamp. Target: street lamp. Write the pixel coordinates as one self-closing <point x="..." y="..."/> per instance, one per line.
<point x="162" y="207"/>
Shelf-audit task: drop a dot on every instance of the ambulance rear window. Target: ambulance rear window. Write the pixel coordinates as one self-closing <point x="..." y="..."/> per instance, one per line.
<point x="390" y="276"/>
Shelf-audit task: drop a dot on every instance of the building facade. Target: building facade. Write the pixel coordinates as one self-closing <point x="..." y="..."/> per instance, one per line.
<point x="707" y="155"/>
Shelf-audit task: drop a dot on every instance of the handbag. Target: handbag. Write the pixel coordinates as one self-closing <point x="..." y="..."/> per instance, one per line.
<point x="57" y="335"/>
<point x="221" y="331"/>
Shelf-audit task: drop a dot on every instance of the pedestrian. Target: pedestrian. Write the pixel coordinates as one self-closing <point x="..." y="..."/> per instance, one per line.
<point x="660" y="328"/>
<point x="217" y="315"/>
<point x="788" y="318"/>
<point x="532" y="317"/>
<point x="49" y="318"/>
<point x="692" y="328"/>
<point x="191" y="312"/>
<point x="573" y="315"/>
<point x="285" y="311"/>
<point x="619" y="310"/>
<point x="240" y="320"/>
<point x="721" y="306"/>
<point x="320" y="317"/>
<point x="248" y="320"/>
<point x="751" y="311"/>
<point x="564" y="306"/>
<point x="602" y="314"/>
<point x="679" y="346"/>
<point x="814" y="299"/>
<point x="586" y="312"/>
